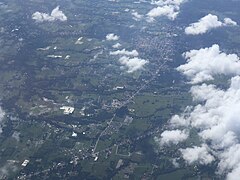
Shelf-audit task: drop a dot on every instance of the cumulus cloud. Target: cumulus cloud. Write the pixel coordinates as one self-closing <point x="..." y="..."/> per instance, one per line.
<point x="129" y="60"/>
<point x="172" y="137"/>
<point x="234" y="174"/>
<point x="112" y="37"/>
<point x="170" y="11"/>
<point x="137" y="16"/>
<point x="124" y="52"/>
<point x="216" y="115"/>
<point x="168" y="8"/>
<point x="197" y="155"/>
<point x="230" y="160"/>
<point x="55" y="15"/>
<point x="132" y="64"/>
<point x="207" y="23"/>
<point x="168" y="2"/>
<point x="203" y="64"/>
<point x="229" y="22"/>
<point x="217" y="119"/>
<point x="117" y="45"/>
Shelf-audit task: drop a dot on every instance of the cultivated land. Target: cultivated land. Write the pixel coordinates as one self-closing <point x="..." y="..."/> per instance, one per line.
<point x="110" y="132"/>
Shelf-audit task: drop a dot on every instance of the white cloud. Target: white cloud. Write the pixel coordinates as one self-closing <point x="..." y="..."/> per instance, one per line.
<point x="170" y="11"/>
<point x="117" y="45"/>
<point x="168" y="2"/>
<point x="229" y="22"/>
<point x="132" y="64"/>
<point x="217" y="112"/>
<point x="58" y="15"/>
<point x="55" y="15"/>
<point x="112" y="37"/>
<point x="217" y="119"/>
<point x="216" y="115"/>
<point x="230" y="159"/>
<point x="136" y="16"/>
<point x="124" y="52"/>
<point x="234" y="175"/>
<point x="172" y="137"/>
<point x="197" y="155"/>
<point x="203" y="64"/>
<point x="168" y="8"/>
<point x="207" y="23"/>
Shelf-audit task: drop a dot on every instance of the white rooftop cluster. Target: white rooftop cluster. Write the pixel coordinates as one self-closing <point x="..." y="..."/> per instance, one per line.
<point x="124" y="52"/>
<point x="136" y="16"/>
<point x="67" y="109"/>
